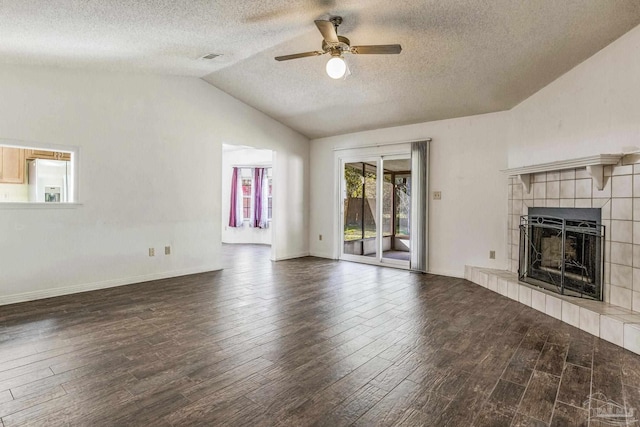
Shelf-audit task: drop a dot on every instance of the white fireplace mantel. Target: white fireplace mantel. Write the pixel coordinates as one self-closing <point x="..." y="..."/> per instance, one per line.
<point x="594" y="165"/>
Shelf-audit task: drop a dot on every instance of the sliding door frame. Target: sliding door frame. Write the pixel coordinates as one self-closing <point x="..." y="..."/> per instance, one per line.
<point x="372" y="160"/>
<point x="370" y="155"/>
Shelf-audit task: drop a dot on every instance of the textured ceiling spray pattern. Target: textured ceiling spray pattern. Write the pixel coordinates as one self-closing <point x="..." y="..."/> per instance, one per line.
<point x="459" y="58"/>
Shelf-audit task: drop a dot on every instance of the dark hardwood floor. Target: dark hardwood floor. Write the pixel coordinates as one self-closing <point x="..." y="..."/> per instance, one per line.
<point x="303" y="342"/>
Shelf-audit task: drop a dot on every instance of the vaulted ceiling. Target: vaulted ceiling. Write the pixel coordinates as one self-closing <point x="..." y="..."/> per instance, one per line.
<point x="459" y="57"/>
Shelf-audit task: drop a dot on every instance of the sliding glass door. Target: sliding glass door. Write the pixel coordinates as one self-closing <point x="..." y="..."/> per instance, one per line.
<point x="360" y="207"/>
<point x="375" y="215"/>
<point x="397" y="191"/>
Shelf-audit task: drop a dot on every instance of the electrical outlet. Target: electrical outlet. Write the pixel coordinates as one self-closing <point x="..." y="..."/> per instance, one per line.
<point x="167" y="250"/>
<point x="492" y="254"/>
<point x="319" y="236"/>
<point x="152" y="252"/>
<point x="437" y="195"/>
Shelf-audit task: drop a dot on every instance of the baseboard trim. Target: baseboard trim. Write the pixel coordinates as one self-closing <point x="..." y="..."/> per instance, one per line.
<point x="86" y="287"/>
<point x="447" y="273"/>
<point x="322" y="255"/>
<point x="286" y="257"/>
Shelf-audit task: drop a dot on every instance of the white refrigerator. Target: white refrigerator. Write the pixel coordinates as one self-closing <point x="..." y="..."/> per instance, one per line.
<point x="49" y="181"/>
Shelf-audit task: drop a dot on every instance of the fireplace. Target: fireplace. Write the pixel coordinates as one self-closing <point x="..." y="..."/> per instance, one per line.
<point x="561" y="249"/>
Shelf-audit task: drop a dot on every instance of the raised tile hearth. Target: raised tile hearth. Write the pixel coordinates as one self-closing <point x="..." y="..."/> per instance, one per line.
<point x="618" y="325"/>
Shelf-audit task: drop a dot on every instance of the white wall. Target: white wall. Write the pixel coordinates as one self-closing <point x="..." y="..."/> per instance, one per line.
<point x="592" y="109"/>
<point x="150" y="159"/>
<point x="232" y="156"/>
<point x="14" y="193"/>
<point x="466" y="157"/>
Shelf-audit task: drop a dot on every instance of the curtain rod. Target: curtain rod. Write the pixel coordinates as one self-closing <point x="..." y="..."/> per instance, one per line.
<point x="268" y="165"/>
<point x="384" y="144"/>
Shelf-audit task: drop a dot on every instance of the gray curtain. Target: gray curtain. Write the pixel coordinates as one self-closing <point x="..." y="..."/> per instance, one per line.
<point x="419" y="205"/>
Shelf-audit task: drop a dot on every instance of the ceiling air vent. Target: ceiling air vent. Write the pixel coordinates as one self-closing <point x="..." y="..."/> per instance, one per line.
<point x="210" y="56"/>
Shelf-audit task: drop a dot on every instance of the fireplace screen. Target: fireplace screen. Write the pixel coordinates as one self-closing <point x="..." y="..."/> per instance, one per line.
<point x="562" y="255"/>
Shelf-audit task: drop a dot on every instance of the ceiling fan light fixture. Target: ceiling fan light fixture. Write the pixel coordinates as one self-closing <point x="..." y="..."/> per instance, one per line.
<point x="336" y="45"/>
<point x="336" y="67"/>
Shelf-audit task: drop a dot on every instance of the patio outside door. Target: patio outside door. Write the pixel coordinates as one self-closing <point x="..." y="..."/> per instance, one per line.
<point x="376" y="207"/>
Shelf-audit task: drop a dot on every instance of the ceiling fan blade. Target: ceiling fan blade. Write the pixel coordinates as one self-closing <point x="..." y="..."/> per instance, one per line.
<point x="328" y="31"/>
<point x="299" y="55"/>
<point x="380" y="49"/>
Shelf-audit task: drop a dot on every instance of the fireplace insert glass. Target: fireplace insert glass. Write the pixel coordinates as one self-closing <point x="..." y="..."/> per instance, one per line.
<point x="562" y="254"/>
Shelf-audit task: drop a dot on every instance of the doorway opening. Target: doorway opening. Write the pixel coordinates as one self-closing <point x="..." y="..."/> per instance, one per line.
<point x="247" y="190"/>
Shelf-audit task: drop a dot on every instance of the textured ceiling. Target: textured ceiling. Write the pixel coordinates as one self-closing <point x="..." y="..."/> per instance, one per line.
<point x="459" y="58"/>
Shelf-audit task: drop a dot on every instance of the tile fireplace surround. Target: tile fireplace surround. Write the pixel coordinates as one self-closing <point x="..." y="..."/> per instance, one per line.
<point x="617" y="319"/>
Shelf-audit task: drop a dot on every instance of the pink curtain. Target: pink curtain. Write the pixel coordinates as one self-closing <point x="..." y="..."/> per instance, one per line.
<point x="258" y="174"/>
<point x="235" y="214"/>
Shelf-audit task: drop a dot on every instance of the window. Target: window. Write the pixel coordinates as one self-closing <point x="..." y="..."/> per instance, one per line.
<point x="247" y="188"/>
<point x="31" y="174"/>
<point x="248" y="196"/>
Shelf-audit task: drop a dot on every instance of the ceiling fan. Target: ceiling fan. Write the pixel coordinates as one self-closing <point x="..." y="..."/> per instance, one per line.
<point x="337" y="45"/>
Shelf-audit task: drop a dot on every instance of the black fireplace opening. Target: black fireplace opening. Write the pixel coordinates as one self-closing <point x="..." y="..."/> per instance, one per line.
<point x="561" y="249"/>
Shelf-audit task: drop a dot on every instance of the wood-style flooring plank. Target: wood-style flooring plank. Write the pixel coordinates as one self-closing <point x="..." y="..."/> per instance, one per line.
<point x="630" y="370"/>
<point x="521" y="420"/>
<point x="575" y="386"/>
<point x="391" y="408"/>
<point x="507" y="395"/>
<point x="552" y="359"/>
<point x="225" y="379"/>
<point x="51" y="381"/>
<point x="466" y="405"/>
<point x="62" y="410"/>
<point x="540" y="396"/>
<point x="521" y="366"/>
<point x="17" y="405"/>
<point x="17" y="383"/>
<point x="581" y="352"/>
<point x="631" y="398"/>
<point x="607" y="380"/>
<point x="301" y="342"/>
<point x="5" y="396"/>
<point x="198" y="411"/>
<point x="494" y="416"/>
<point x="566" y="415"/>
<point x="349" y="410"/>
